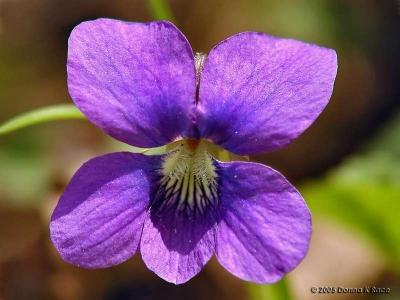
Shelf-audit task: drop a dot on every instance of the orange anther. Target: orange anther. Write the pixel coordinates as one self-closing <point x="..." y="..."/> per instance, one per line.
<point x="192" y="144"/>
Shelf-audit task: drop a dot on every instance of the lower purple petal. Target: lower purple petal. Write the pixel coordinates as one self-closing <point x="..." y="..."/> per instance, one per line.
<point x="98" y="221"/>
<point x="265" y="225"/>
<point x="176" y="246"/>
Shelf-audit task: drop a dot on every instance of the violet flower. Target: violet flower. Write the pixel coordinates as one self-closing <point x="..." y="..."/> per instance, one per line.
<point x="142" y="84"/>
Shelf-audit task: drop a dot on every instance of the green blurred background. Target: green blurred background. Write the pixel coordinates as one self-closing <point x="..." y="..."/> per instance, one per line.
<point x="347" y="165"/>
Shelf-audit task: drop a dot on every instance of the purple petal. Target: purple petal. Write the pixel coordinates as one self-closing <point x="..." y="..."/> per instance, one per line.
<point x="175" y="246"/>
<point x="265" y="225"/>
<point x="136" y="81"/>
<point x="98" y="221"/>
<point x="258" y="92"/>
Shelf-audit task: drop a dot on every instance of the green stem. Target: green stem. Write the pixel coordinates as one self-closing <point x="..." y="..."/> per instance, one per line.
<point x="160" y="10"/>
<point x="41" y="115"/>
<point x="277" y="291"/>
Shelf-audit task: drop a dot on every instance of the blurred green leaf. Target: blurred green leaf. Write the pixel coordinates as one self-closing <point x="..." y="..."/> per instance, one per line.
<point x="24" y="179"/>
<point x="41" y="115"/>
<point x="160" y="10"/>
<point x="25" y="172"/>
<point x="364" y="192"/>
<point x="277" y="291"/>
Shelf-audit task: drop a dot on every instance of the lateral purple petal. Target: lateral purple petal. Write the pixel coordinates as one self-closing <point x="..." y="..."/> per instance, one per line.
<point x="265" y="225"/>
<point x="176" y="247"/>
<point x="136" y="81"/>
<point x="258" y="92"/>
<point x="98" y="220"/>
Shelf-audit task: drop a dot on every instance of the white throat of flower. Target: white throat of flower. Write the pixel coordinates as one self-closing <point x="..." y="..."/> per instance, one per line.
<point x="189" y="179"/>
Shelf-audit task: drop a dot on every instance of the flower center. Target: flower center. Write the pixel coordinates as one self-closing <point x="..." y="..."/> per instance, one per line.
<point x="188" y="179"/>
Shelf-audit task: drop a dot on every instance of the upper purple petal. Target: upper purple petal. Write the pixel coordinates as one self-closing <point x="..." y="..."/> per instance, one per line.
<point x="98" y="220"/>
<point x="265" y="225"/>
<point x="176" y="246"/>
<point x="136" y="81"/>
<point x="258" y="93"/>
